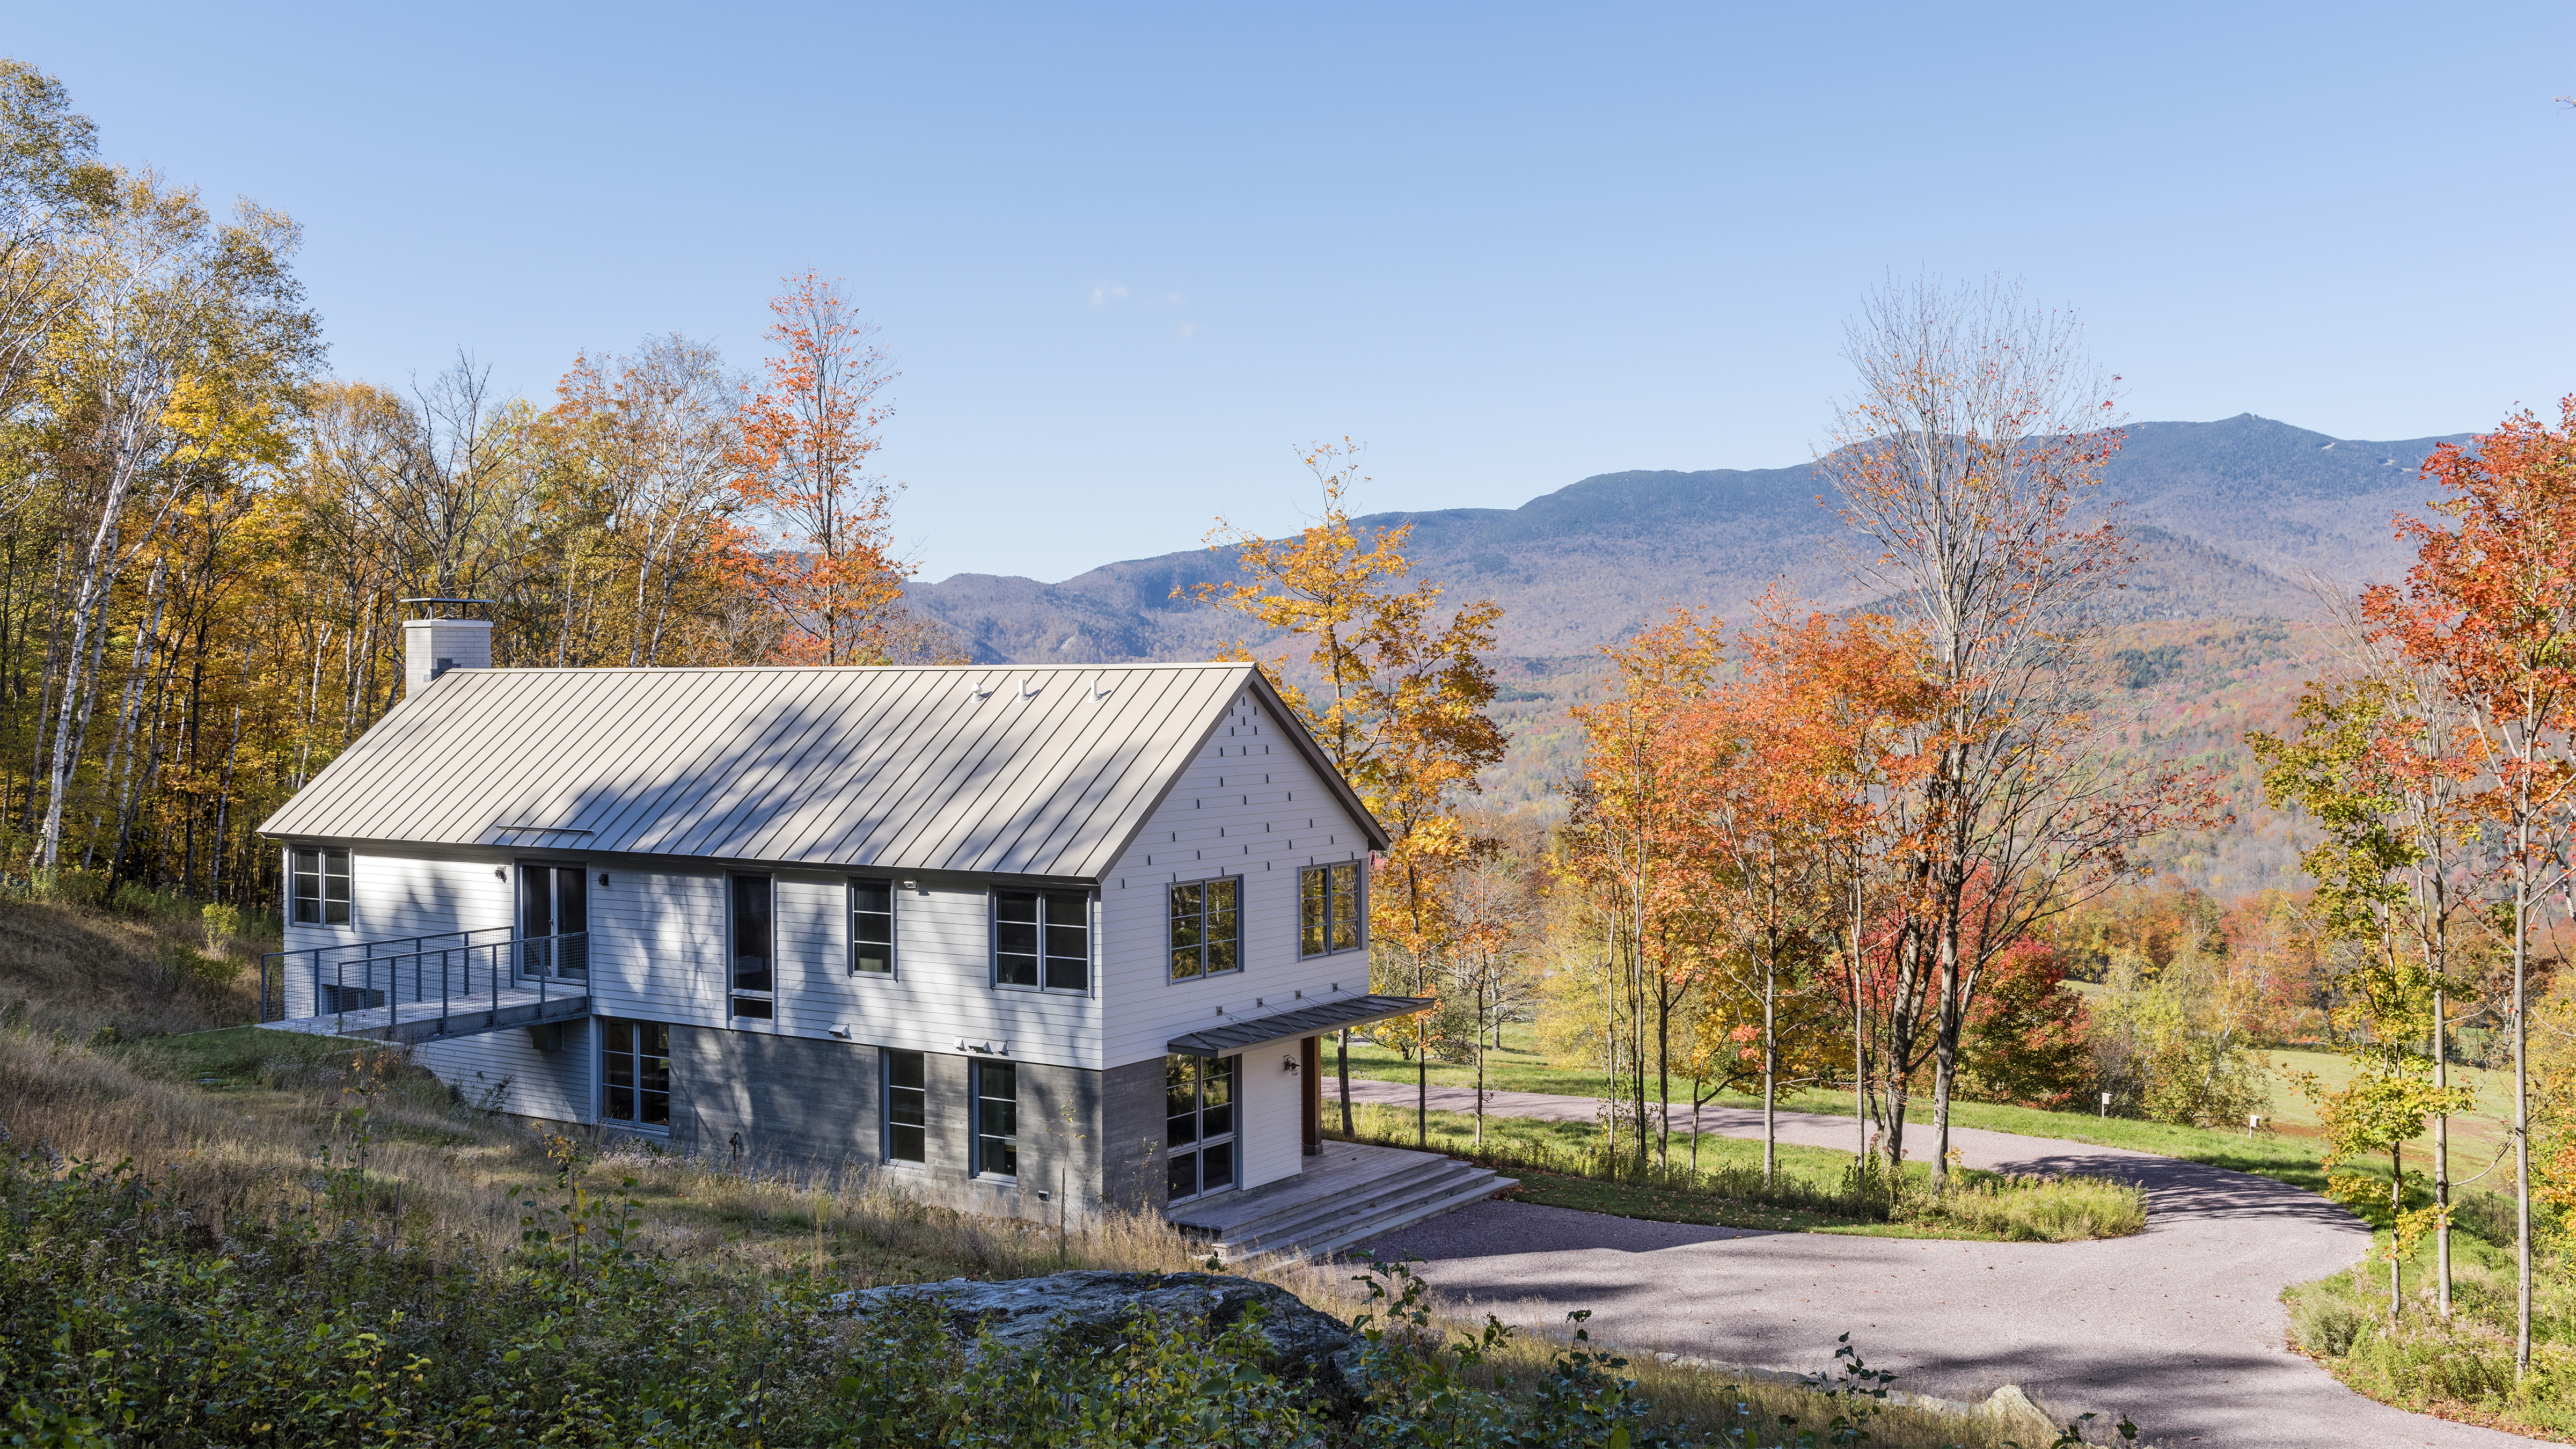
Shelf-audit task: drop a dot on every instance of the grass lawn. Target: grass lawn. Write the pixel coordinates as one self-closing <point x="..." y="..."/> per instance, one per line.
<point x="2292" y="1154"/>
<point x="2476" y="1135"/>
<point x="1809" y="1178"/>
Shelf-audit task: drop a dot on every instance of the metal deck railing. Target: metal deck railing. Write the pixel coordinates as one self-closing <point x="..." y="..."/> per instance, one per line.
<point x="448" y="977"/>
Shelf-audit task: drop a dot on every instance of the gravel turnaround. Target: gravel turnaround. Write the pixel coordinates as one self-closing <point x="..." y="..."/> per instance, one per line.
<point x="2180" y="1327"/>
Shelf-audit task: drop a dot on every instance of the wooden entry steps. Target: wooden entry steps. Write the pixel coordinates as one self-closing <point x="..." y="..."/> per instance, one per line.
<point x="1349" y="1193"/>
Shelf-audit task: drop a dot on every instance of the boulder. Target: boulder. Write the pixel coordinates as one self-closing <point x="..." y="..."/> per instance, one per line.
<point x="1093" y="1307"/>
<point x="2013" y="1410"/>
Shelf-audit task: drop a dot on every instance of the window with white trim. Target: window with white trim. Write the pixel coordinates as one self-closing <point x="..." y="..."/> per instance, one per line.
<point x="751" y="943"/>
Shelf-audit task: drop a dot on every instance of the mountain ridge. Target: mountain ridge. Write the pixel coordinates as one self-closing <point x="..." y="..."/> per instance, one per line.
<point x="2229" y="519"/>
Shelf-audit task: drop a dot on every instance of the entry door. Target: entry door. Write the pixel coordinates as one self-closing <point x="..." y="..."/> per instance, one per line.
<point x="1198" y="1124"/>
<point x="554" y="920"/>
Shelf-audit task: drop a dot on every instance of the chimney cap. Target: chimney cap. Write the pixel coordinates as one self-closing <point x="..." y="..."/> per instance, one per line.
<point x="433" y="613"/>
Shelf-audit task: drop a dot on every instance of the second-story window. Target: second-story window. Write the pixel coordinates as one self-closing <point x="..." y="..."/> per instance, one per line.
<point x="1042" y="938"/>
<point x="1206" y="928"/>
<point x="872" y="927"/>
<point x="320" y="886"/>
<point x="1328" y="909"/>
<point x="752" y="944"/>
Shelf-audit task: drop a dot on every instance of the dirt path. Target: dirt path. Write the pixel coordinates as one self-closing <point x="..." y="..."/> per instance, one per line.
<point x="2180" y="1327"/>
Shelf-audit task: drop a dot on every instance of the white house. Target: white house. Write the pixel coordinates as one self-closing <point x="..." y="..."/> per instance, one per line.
<point x="1027" y="933"/>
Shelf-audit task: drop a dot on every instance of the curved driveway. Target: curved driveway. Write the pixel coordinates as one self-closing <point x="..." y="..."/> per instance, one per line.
<point x="2180" y="1327"/>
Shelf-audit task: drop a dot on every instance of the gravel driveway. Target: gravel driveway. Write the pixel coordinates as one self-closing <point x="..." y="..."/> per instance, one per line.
<point x="2180" y="1327"/>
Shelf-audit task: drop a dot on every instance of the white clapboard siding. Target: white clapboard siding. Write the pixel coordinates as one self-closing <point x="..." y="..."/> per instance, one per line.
<point x="942" y="989"/>
<point x="391" y="896"/>
<point x="657" y="945"/>
<point x="505" y="1071"/>
<point x="1271" y="1138"/>
<point x="1235" y="811"/>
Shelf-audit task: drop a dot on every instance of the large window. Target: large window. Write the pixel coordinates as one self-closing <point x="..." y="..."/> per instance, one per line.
<point x="872" y="927"/>
<point x="907" y="1107"/>
<point x="997" y="1119"/>
<point x="320" y="886"/>
<point x="1042" y="938"/>
<point x="1207" y="928"/>
<point x="1198" y="1124"/>
<point x="752" y="944"/>
<point x="635" y="1073"/>
<point x="1328" y="909"/>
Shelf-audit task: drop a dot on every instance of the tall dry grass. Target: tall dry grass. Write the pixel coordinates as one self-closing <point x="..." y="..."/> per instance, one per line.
<point x="75" y="969"/>
<point x="84" y="994"/>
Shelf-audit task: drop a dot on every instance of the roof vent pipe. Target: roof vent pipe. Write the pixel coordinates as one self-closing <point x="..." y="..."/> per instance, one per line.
<point x="435" y="645"/>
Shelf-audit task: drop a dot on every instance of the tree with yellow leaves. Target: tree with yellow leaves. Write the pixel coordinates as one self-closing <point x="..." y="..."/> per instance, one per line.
<point x="1394" y="694"/>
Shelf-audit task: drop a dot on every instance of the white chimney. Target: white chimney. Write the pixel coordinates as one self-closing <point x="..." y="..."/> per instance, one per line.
<point x="431" y="647"/>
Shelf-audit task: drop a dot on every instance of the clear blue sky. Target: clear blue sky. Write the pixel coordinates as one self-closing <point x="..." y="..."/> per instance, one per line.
<point x="1128" y="257"/>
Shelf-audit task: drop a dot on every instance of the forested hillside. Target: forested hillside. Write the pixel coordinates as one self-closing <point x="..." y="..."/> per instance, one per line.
<point x="208" y="544"/>
<point x="207" y="541"/>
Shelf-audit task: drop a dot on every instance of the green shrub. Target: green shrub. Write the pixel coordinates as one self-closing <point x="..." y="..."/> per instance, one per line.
<point x="68" y="886"/>
<point x="222" y="923"/>
<point x="2036" y="1209"/>
<point x="135" y="899"/>
<point x="2324" y="1324"/>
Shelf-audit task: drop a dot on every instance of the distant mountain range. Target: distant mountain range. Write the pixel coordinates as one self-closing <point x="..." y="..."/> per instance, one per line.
<point x="2230" y="519"/>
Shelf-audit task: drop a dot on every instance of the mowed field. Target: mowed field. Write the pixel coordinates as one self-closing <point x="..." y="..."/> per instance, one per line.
<point x="2289" y="1147"/>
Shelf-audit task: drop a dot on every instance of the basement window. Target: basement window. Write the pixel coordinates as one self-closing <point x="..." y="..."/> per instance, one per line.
<point x="997" y="1119"/>
<point x="635" y="1073"/>
<point x="907" y="1107"/>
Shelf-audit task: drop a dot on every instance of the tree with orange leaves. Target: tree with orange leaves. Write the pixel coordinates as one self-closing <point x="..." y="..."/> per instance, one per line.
<point x="2491" y="604"/>
<point x="1397" y="701"/>
<point x="1793" y="762"/>
<point x="806" y="439"/>
<point x="1760" y="794"/>
<point x="1961" y="462"/>
<point x="1636" y="838"/>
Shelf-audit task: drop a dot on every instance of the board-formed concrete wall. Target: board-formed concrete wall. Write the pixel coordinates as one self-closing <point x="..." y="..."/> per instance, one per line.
<point x="800" y="1105"/>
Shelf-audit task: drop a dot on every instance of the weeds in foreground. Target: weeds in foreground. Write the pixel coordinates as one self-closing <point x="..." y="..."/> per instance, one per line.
<point x="2460" y="1366"/>
<point x="223" y="1129"/>
<point x="126" y="1319"/>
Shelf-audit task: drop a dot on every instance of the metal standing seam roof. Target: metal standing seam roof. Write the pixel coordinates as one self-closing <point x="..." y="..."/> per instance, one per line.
<point x="1029" y="770"/>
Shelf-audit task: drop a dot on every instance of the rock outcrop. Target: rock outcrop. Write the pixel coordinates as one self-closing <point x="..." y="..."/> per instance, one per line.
<point x="1090" y="1308"/>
